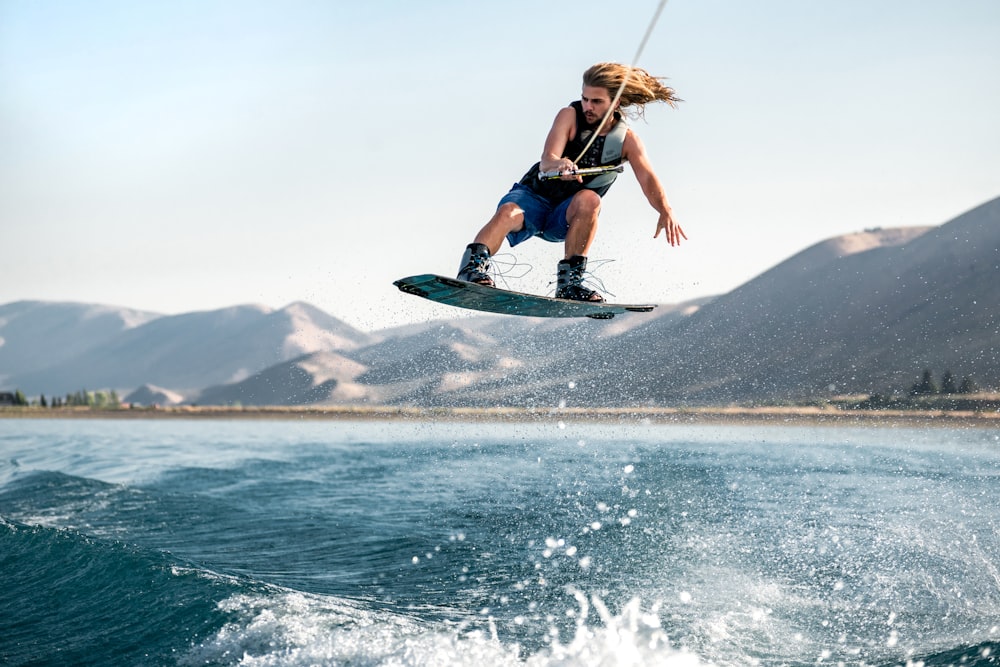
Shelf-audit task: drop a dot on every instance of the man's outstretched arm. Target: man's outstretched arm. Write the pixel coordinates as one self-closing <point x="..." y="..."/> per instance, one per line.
<point x="635" y="153"/>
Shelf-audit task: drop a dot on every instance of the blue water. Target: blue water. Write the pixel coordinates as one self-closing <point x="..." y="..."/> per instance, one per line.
<point x="359" y="543"/>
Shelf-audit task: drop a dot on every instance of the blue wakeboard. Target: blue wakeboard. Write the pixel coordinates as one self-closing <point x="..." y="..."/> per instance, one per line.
<point x="473" y="296"/>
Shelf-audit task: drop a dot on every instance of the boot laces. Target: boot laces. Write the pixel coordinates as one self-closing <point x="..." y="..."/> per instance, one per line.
<point x="588" y="279"/>
<point x="504" y="266"/>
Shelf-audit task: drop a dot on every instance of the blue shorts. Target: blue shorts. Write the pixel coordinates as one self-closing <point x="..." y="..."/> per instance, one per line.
<point x="541" y="218"/>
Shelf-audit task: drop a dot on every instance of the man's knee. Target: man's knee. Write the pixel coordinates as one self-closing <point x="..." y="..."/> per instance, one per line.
<point x="586" y="202"/>
<point x="509" y="216"/>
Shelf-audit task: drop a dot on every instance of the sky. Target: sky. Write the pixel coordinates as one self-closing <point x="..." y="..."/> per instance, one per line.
<point x="184" y="155"/>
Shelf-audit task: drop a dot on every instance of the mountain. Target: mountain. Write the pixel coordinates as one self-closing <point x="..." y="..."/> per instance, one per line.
<point x="35" y="334"/>
<point x="320" y="377"/>
<point x="428" y="364"/>
<point x="859" y="313"/>
<point x="187" y="352"/>
<point x="149" y="394"/>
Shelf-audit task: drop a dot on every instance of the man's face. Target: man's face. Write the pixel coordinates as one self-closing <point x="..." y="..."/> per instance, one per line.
<point x="595" y="103"/>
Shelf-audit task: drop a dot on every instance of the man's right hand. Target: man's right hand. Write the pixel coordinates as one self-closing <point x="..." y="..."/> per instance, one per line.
<point x="563" y="165"/>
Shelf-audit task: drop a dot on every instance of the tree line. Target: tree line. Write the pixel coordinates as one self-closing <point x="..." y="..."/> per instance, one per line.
<point x="928" y="393"/>
<point x="927" y="387"/>
<point x="81" y="398"/>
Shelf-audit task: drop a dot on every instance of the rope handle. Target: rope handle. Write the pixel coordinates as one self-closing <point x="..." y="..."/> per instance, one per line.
<point x="586" y="171"/>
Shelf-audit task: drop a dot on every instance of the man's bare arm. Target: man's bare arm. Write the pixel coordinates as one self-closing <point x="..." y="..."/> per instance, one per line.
<point x="635" y="153"/>
<point x="560" y="134"/>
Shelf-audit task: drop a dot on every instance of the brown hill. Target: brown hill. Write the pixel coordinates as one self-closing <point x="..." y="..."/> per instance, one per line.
<point x="188" y="352"/>
<point x="321" y="377"/>
<point x="436" y="363"/>
<point x="861" y="313"/>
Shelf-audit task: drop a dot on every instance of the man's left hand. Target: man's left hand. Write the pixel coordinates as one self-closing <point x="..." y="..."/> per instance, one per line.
<point x="674" y="233"/>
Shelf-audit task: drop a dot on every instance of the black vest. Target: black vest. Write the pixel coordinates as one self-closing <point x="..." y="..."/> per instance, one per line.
<point x="606" y="150"/>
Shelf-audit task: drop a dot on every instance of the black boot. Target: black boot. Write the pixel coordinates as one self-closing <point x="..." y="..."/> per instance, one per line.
<point x="476" y="265"/>
<point x="570" y="281"/>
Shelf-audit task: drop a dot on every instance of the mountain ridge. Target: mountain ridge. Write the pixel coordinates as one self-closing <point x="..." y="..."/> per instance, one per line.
<point x="860" y="313"/>
<point x="190" y="351"/>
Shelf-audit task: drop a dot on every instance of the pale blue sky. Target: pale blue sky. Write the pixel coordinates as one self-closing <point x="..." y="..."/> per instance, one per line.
<point x="188" y="155"/>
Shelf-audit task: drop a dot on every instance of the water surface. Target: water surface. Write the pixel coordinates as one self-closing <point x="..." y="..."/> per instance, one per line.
<point x="553" y="543"/>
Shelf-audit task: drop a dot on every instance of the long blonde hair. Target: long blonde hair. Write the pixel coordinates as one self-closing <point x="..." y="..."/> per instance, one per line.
<point x="641" y="87"/>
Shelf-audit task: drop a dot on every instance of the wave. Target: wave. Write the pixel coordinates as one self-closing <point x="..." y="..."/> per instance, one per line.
<point x="979" y="655"/>
<point x="69" y="598"/>
<point x="238" y="567"/>
<point x="72" y="599"/>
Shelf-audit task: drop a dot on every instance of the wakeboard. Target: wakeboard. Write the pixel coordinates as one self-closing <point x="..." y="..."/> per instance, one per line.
<point x="463" y="294"/>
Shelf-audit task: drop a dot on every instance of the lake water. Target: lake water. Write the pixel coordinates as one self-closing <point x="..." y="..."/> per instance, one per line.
<point x="188" y="542"/>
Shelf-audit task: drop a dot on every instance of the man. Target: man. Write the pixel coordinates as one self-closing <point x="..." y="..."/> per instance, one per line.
<point x="566" y="209"/>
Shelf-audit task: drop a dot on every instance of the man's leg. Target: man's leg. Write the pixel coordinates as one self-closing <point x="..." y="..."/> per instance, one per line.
<point x="475" y="265"/>
<point x="581" y="218"/>
<point x="508" y="218"/>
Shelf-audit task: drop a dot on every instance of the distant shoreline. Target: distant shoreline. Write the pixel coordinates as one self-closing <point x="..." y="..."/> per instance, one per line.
<point x="703" y="415"/>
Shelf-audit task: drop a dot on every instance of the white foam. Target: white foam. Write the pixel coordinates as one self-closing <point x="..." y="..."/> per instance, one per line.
<point x="289" y="629"/>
